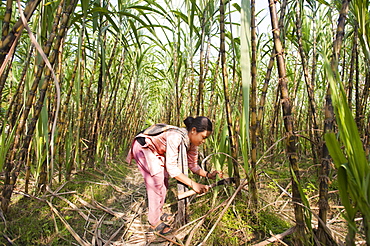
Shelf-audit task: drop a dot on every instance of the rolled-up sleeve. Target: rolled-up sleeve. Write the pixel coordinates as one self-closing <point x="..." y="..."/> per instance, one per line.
<point x="193" y="158"/>
<point x="172" y="153"/>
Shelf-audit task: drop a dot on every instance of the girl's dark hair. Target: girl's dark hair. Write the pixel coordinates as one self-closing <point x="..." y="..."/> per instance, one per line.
<point x="201" y="123"/>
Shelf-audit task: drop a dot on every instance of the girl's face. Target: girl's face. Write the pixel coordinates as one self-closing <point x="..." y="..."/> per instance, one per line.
<point x="197" y="138"/>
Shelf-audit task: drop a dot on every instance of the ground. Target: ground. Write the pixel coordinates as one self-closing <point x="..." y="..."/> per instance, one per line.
<point x="108" y="207"/>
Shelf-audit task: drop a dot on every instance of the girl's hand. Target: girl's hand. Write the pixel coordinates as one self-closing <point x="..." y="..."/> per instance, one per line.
<point x="200" y="188"/>
<point x="213" y="174"/>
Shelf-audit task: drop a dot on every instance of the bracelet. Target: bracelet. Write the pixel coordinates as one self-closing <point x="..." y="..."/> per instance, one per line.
<point x="207" y="175"/>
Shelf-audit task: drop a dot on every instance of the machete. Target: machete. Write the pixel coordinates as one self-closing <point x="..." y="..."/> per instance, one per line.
<point x="220" y="182"/>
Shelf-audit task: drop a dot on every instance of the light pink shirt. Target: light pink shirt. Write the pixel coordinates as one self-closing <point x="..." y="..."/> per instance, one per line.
<point x="164" y="151"/>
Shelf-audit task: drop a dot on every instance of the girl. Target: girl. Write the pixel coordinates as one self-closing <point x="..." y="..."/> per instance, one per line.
<point x="161" y="151"/>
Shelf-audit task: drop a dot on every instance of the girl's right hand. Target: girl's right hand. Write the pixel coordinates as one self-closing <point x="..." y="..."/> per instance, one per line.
<point x="200" y="188"/>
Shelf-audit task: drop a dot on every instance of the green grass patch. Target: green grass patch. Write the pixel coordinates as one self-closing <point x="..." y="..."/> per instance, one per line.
<point x="31" y="221"/>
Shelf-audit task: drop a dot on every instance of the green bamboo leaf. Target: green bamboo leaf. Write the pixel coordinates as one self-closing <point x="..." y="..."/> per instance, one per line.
<point x="68" y="142"/>
<point x="134" y="30"/>
<point x="344" y="193"/>
<point x="237" y="7"/>
<point x="6" y="141"/>
<point x="142" y="7"/>
<point x="181" y="15"/>
<point x="348" y="131"/>
<point x="245" y="66"/>
<point x="84" y="6"/>
<point x="243" y="141"/>
<point x="113" y="23"/>
<point x="133" y="16"/>
<point x="191" y="16"/>
<point x="100" y="10"/>
<point x="360" y="8"/>
<point x="220" y="144"/>
<point x="353" y="176"/>
<point x="161" y="11"/>
<point x="324" y="2"/>
<point x="335" y="150"/>
<point x="151" y="26"/>
<point x="306" y="203"/>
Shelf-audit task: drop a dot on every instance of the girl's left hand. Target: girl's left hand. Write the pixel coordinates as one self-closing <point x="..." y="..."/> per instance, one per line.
<point x="213" y="174"/>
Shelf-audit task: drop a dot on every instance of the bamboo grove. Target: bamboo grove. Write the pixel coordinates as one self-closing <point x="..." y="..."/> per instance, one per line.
<point x="80" y="78"/>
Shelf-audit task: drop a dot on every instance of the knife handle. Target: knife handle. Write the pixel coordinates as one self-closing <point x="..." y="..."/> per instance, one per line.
<point x="186" y="194"/>
<point x="189" y="193"/>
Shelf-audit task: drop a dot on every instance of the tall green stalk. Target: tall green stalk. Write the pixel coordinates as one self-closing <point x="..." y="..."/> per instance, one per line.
<point x="245" y="63"/>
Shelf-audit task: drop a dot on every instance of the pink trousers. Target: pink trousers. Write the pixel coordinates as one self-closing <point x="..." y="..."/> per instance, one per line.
<point x="156" y="185"/>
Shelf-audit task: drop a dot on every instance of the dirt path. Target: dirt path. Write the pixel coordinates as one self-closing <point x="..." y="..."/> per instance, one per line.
<point x="137" y="230"/>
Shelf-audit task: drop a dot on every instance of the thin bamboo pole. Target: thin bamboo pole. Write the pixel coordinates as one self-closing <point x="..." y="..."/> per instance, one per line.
<point x="63" y="123"/>
<point x="98" y="105"/>
<point x="7" y="41"/>
<point x="329" y="120"/>
<point x="275" y="121"/>
<point x="289" y="127"/>
<point x="309" y="85"/>
<point x="7" y="17"/>
<point x="253" y="103"/>
<point x="232" y="138"/>
<point x="16" y="103"/>
<point x="262" y="100"/>
<point x="200" y="97"/>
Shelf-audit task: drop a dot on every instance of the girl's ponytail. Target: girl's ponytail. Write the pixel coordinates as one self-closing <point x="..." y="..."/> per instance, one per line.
<point x="201" y="123"/>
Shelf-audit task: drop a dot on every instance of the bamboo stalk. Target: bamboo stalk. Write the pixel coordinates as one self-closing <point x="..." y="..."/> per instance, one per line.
<point x="288" y="123"/>
<point x="330" y="118"/>
<point x="7" y="16"/>
<point x="14" y="164"/>
<point x="254" y="126"/>
<point x="7" y="41"/>
<point x="232" y="138"/>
